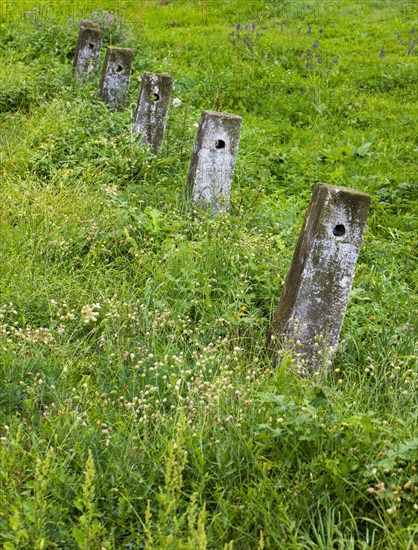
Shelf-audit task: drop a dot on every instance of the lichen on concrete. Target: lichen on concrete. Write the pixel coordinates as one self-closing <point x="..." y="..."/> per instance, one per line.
<point x="151" y="112"/>
<point x="86" y="59"/>
<point x="213" y="160"/>
<point x="116" y="74"/>
<point x="311" y="309"/>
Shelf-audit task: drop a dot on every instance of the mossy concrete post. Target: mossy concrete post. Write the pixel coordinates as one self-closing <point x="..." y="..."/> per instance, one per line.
<point x="213" y="160"/>
<point x="311" y="309"/>
<point x="86" y="60"/>
<point x="151" y="111"/>
<point x="115" y="77"/>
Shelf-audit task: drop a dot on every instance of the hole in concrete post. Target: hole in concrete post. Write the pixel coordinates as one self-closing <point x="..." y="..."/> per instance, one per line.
<point x="119" y="69"/>
<point x="339" y="230"/>
<point x="155" y="97"/>
<point x="91" y="46"/>
<point x="219" y="144"/>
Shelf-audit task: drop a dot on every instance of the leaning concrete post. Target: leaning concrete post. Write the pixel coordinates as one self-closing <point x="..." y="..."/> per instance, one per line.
<point x="311" y="309"/>
<point x="213" y="160"/>
<point x="151" y="111"/>
<point x="115" y="77"/>
<point x="86" y="60"/>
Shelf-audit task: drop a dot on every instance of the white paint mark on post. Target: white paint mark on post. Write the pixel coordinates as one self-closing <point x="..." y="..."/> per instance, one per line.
<point x="115" y="77"/>
<point x="213" y="160"/>
<point x="151" y="112"/>
<point x="86" y="60"/>
<point x="311" y="309"/>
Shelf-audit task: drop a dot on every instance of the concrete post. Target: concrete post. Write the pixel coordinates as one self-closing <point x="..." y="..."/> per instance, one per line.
<point x="311" y="309"/>
<point x="86" y="60"/>
<point x="151" y="112"/>
<point x="213" y="160"/>
<point x="115" y="77"/>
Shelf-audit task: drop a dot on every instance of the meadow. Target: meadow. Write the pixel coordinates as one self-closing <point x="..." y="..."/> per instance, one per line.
<point x="139" y="407"/>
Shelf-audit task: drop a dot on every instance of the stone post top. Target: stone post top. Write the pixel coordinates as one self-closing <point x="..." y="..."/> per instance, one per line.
<point x="221" y="115"/>
<point x="148" y="73"/>
<point x="339" y="188"/>
<point x="87" y="24"/>
<point x="122" y="51"/>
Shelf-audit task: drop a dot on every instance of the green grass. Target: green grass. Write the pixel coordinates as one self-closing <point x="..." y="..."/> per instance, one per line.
<point x="138" y="406"/>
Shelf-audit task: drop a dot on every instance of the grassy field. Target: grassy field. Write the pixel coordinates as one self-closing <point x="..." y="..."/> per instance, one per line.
<point x="138" y="405"/>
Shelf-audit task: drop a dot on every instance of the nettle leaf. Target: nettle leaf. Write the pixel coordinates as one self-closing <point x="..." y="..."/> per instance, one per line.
<point x="408" y="450"/>
<point x="156" y="217"/>
<point x="320" y="399"/>
<point x="275" y="432"/>
<point x="363" y="150"/>
<point x="79" y="505"/>
<point x="268" y="397"/>
<point x="405" y="452"/>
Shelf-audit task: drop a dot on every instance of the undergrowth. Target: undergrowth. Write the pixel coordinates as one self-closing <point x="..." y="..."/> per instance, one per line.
<point x="139" y="408"/>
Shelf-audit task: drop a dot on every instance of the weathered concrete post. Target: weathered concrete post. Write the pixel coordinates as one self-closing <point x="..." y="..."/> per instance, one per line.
<point x="86" y="60"/>
<point x="213" y="160"/>
<point x="115" y="77"/>
<point x="311" y="309"/>
<point x="151" y="111"/>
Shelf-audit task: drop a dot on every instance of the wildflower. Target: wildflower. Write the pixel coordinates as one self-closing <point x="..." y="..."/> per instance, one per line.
<point x="335" y="60"/>
<point x="391" y="510"/>
<point x="309" y="30"/>
<point x="111" y="190"/>
<point x="316" y="45"/>
<point x="176" y="102"/>
<point x="238" y="26"/>
<point x="382" y="52"/>
<point x="90" y="312"/>
<point x="319" y="59"/>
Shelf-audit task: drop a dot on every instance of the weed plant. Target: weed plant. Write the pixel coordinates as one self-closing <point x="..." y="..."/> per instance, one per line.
<point x="138" y="407"/>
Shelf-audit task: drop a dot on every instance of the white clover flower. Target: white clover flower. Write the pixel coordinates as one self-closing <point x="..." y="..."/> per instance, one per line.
<point x="111" y="190"/>
<point x="90" y="312"/>
<point x="176" y="102"/>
